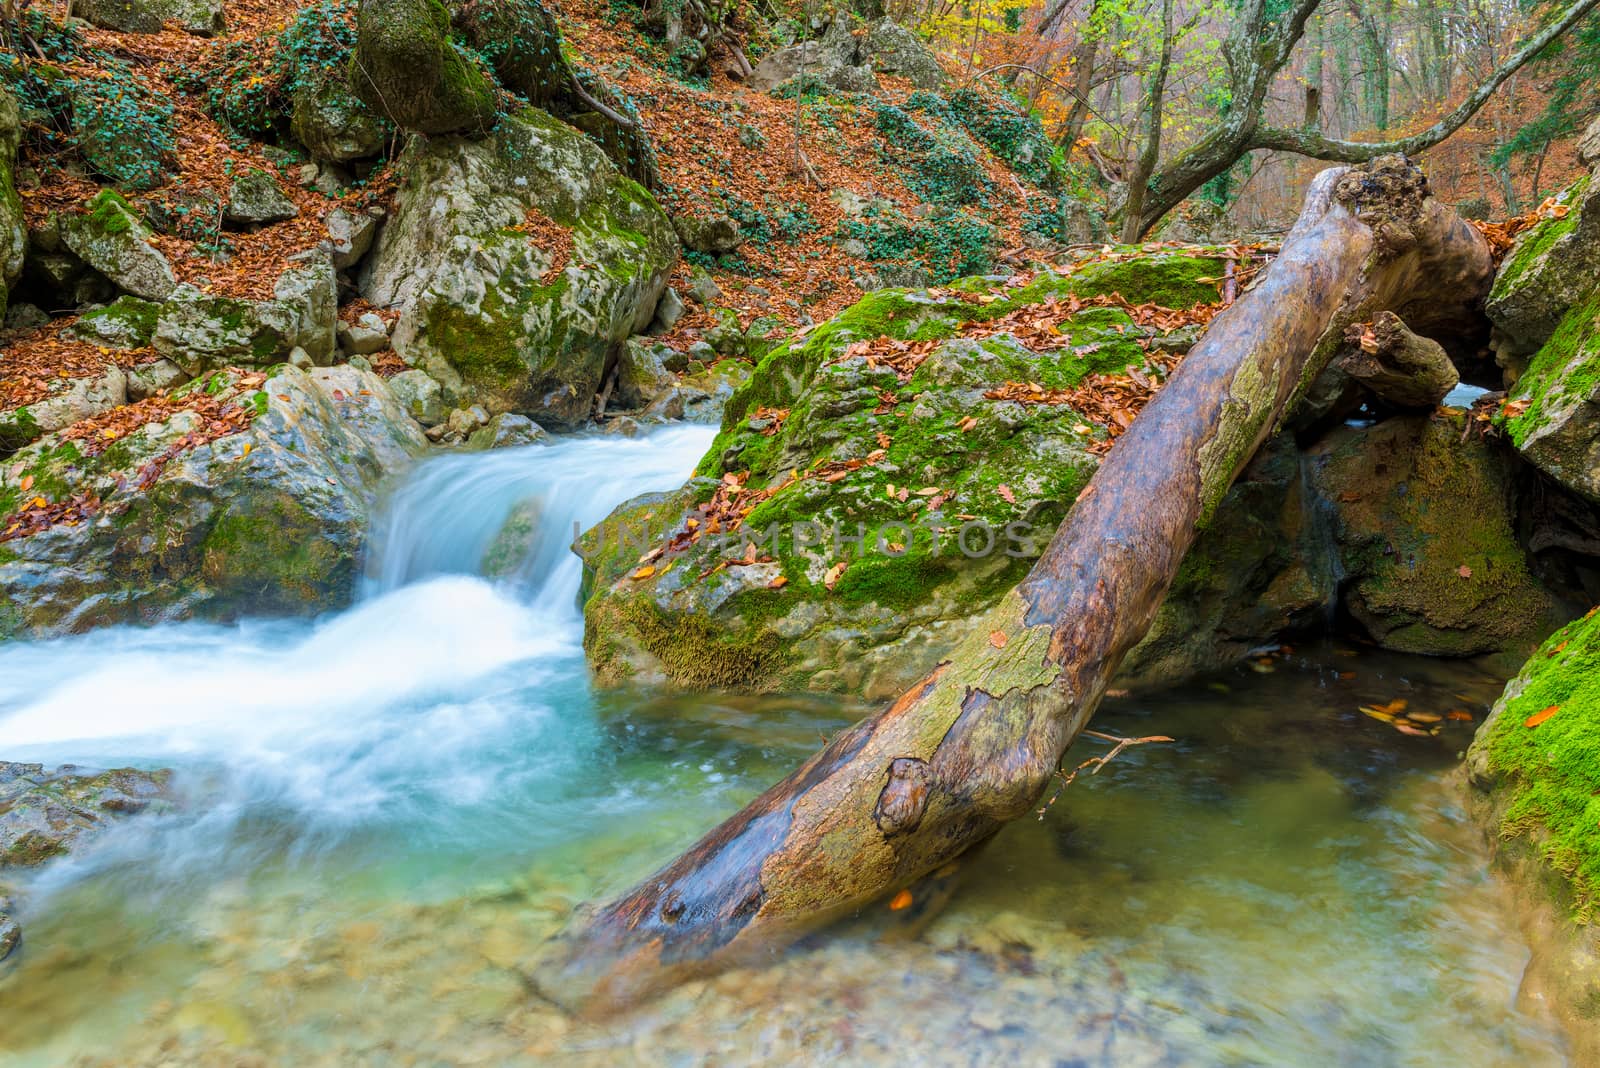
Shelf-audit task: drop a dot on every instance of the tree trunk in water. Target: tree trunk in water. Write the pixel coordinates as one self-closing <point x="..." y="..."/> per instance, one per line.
<point x="906" y="793"/>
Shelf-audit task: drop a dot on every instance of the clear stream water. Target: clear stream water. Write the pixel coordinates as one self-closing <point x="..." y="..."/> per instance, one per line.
<point x="390" y="809"/>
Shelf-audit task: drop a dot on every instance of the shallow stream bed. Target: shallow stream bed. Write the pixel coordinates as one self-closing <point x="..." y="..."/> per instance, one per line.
<point x="391" y="810"/>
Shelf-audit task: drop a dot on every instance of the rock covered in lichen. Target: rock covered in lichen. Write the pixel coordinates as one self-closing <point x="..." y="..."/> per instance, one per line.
<point x="489" y="307"/>
<point x="883" y="507"/>
<point x="272" y="520"/>
<point x="1425" y="519"/>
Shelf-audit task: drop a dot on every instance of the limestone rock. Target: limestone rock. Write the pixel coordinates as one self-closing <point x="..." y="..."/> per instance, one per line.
<point x="365" y="336"/>
<point x="641" y="377"/>
<point x="110" y="237"/>
<point x="255" y="198"/>
<point x="72" y="400"/>
<point x="125" y="323"/>
<point x="203" y="18"/>
<point x="198" y="331"/>
<point x="269" y="521"/>
<point x="483" y="308"/>
<point x="45" y="814"/>
<point x="420" y="396"/>
<point x="668" y="311"/>
<point x="148" y="379"/>
<point x="508" y="430"/>
<point x="846" y="61"/>
<point x="351" y="234"/>
<point x="893" y="49"/>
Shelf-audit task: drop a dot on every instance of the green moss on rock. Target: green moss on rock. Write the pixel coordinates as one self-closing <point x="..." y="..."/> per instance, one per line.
<point x="895" y="506"/>
<point x="1549" y="774"/>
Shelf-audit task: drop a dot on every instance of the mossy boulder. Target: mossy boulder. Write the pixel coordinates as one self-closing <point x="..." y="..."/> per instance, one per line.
<point x="331" y="121"/>
<point x="269" y="521"/>
<point x="110" y="236"/>
<point x="201" y="331"/>
<point x="877" y="510"/>
<point x="1425" y="521"/>
<point x="125" y="323"/>
<point x="407" y="67"/>
<point x="1534" y="773"/>
<point x="204" y="18"/>
<point x="1557" y="399"/>
<point x="13" y="229"/>
<point x="1552" y="267"/>
<point x="497" y="310"/>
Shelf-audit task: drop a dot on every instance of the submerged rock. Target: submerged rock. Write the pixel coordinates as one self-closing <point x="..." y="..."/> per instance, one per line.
<point x="495" y="313"/>
<point x="890" y="502"/>
<point x="152" y="526"/>
<point x="46" y="814"/>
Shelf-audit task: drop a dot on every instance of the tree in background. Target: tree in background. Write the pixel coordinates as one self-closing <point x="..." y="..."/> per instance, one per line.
<point x="1209" y="96"/>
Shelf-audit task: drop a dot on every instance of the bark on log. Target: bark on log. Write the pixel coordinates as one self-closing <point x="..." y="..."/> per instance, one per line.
<point x="907" y="792"/>
<point x="1402" y="369"/>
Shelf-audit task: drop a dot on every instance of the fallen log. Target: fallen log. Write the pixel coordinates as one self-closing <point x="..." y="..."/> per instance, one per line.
<point x="1399" y="367"/>
<point x="898" y="799"/>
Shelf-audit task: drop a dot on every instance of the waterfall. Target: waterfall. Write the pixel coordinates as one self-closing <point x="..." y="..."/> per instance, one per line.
<point x="426" y="693"/>
<point x="512" y="513"/>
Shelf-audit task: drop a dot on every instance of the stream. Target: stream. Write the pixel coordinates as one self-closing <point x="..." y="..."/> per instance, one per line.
<point x="389" y="810"/>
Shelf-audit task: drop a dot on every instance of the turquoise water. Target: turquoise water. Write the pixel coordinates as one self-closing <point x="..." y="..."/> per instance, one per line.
<point x="391" y="810"/>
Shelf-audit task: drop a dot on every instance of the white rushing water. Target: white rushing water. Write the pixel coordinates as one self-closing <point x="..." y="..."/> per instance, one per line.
<point x="381" y="711"/>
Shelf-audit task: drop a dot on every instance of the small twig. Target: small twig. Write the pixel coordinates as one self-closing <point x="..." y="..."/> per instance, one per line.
<point x="1230" y="282"/>
<point x="1094" y="764"/>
